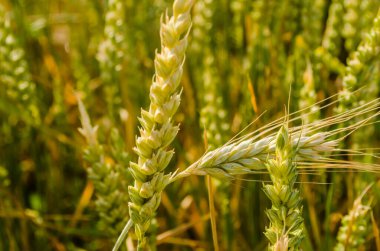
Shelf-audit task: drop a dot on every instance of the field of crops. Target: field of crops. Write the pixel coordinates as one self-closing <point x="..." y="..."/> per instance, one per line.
<point x="189" y="125"/>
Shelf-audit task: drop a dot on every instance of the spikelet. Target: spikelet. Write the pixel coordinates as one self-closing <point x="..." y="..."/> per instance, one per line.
<point x="157" y="129"/>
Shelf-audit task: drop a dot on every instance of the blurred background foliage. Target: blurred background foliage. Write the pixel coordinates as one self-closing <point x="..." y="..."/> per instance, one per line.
<point x="243" y="57"/>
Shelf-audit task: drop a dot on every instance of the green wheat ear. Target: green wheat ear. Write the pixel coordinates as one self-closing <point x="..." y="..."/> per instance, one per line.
<point x="17" y="89"/>
<point x="109" y="177"/>
<point x="111" y="55"/>
<point x="365" y="55"/>
<point x="285" y="231"/>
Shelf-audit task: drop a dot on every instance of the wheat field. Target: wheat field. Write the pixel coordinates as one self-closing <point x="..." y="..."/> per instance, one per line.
<point x="189" y="125"/>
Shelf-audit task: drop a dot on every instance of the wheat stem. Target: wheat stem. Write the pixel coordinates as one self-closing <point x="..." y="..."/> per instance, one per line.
<point x="122" y="236"/>
<point x="212" y="212"/>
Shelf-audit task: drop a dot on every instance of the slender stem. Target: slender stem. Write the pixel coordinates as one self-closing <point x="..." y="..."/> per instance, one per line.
<point x="212" y="213"/>
<point x="122" y="236"/>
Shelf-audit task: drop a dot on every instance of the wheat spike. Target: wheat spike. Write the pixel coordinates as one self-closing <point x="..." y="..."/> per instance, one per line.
<point x="157" y="129"/>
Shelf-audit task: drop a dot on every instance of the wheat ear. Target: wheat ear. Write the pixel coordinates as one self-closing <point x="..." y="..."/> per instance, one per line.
<point x="351" y="20"/>
<point x="355" y="226"/>
<point x="157" y="129"/>
<point x="111" y="54"/>
<point x="249" y="153"/>
<point x="18" y="91"/>
<point x="331" y="38"/>
<point x="286" y="223"/>
<point x="109" y="178"/>
<point x="308" y="95"/>
<point x="367" y="52"/>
